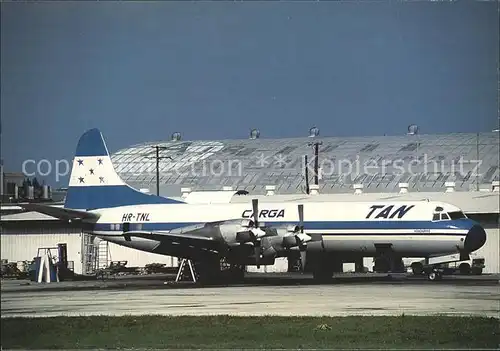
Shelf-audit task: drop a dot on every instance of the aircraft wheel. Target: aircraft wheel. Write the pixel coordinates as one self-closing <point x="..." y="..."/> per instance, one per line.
<point x="464" y="268"/>
<point x="476" y="270"/>
<point x="433" y="276"/>
<point x="237" y="273"/>
<point x="381" y="265"/>
<point x="417" y="268"/>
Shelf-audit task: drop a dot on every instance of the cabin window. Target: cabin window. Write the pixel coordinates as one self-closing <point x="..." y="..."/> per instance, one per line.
<point x="457" y="215"/>
<point x="444" y="216"/>
<point x="436" y="217"/>
<point x="126" y="227"/>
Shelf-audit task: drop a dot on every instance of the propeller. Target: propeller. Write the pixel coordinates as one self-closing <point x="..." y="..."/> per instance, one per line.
<point x="302" y="237"/>
<point x="255" y="207"/>
<point x="258" y="233"/>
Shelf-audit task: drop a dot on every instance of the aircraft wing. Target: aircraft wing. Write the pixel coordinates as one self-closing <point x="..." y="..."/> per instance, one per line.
<point x="61" y="213"/>
<point x="194" y="240"/>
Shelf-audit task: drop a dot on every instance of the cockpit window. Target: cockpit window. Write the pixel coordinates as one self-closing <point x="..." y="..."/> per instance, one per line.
<point x="456" y="215"/>
<point x="444" y="216"/>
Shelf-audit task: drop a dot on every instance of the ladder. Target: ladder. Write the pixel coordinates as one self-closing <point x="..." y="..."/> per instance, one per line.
<point x="103" y="254"/>
<point x="89" y="254"/>
<point x="186" y="271"/>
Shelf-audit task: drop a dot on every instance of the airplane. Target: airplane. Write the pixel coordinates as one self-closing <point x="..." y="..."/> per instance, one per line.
<point x="246" y="234"/>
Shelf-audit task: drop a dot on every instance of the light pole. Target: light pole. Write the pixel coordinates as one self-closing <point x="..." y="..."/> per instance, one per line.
<point x="413" y="130"/>
<point x="316" y="145"/>
<point x="157" y="157"/>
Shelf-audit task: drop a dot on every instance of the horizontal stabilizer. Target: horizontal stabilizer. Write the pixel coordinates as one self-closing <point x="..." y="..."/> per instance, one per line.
<point x="61" y="213"/>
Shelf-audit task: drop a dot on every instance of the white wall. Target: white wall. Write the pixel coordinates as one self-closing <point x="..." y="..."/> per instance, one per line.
<point x="490" y="251"/>
<point x="23" y="244"/>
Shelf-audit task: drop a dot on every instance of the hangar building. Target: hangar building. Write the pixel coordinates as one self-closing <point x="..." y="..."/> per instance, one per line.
<point x="462" y="169"/>
<point x="379" y="163"/>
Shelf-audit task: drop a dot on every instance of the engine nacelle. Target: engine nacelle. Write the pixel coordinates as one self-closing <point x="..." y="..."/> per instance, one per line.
<point x="246" y="223"/>
<point x="278" y="245"/>
<point x="235" y="231"/>
<point x="244" y="237"/>
<point x="285" y="230"/>
<point x="290" y="241"/>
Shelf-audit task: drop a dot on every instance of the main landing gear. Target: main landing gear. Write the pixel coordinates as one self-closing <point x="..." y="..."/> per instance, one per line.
<point x="323" y="266"/>
<point x="214" y="271"/>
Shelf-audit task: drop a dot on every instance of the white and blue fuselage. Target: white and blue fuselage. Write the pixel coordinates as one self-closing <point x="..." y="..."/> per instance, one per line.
<point x="113" y="211"/>
<point x="413" y="228"/>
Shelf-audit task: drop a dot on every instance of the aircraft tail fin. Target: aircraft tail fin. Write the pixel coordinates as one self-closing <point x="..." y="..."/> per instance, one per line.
<point x="94" y="182"/>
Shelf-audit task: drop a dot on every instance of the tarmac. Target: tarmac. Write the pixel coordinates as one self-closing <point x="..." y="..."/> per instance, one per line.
<point x="284" y="295"/>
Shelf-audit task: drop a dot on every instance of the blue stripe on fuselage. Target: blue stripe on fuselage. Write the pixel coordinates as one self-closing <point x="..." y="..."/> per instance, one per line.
<point x="465" y="224"/>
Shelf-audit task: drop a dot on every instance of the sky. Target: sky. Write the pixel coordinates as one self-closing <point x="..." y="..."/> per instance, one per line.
<point x="140" y="71"/>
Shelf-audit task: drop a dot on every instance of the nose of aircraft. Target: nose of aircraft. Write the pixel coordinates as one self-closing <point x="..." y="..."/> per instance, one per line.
<point x="475" y="239"/>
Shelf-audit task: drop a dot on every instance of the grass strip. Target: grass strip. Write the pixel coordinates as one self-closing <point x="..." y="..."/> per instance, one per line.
<point x="229" y="332"/>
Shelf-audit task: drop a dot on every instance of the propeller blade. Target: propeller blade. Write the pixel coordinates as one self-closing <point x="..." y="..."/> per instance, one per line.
<point x="303" y="237"/>
<point x="303" y="255"/>
<point x="255" y="206"/>
<point x="256" y="250"/>
<point x="301" y="217"/>
<point x="257" y="232"/>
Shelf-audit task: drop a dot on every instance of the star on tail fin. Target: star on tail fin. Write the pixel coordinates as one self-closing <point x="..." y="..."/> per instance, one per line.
<point x="94" y="182"/>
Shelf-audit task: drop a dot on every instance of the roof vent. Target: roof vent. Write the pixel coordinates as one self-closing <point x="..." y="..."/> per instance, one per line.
<point x="270" y="190"/>
<point x="412" y="129"/>
<point x="176" y="136"/>
<point x="358" y="188"/>
<point x="313" y="132"/>
<point x="185" y="192"/>
<point x="450" y="187"/>
<point x="254" y="134"/>
<point x="314" y="189"/>
<point x="403" y="188"/>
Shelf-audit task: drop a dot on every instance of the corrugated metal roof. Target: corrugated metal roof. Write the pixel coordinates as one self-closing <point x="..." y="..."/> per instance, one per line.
<point x="380" y="163"/>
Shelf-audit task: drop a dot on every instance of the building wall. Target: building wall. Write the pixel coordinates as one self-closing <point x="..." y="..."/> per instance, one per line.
<point x="22" y="244"/>
<point x="490" y="251"/>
